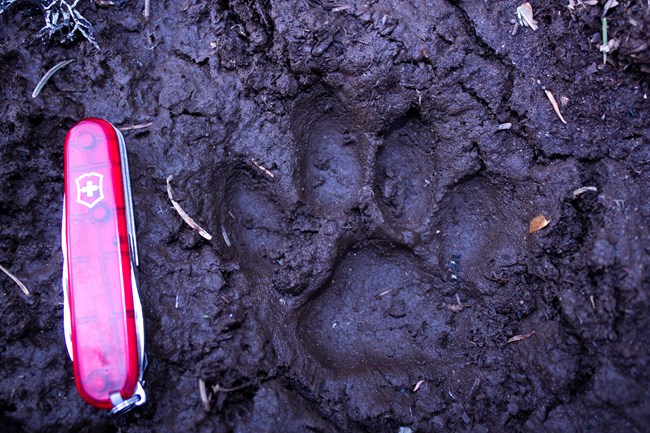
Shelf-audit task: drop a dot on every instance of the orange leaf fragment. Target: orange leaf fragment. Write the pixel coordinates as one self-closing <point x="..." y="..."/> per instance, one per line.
<point x="538" y="223"/>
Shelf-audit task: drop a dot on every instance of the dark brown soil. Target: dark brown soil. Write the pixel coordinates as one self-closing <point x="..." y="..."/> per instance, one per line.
<point x="394" y="197"/>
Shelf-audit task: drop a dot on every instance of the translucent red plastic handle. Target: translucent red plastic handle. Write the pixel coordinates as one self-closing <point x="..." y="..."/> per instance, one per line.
<point x="103" y="323"/>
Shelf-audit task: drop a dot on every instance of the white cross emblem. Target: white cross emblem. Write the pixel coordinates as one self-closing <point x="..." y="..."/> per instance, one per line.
<point x="86" y="195"/>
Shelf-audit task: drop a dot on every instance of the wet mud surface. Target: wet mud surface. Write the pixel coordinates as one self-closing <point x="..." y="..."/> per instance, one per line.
<point x="370" y="276"/>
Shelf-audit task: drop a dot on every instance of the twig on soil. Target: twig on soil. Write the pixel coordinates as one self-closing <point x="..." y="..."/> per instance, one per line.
<point x="135" y="127"/>
<point x="264" y="169"/>
<point x="205" y="399"/>
<point x="16" y="280"/>
<point x="219" y="388"/>
<point x="48" y="75"/>
<point x="520" y="337"/>
<point x="551" y="98"/>
<point x="147" y="9"/>
<point x="190" y="222"/>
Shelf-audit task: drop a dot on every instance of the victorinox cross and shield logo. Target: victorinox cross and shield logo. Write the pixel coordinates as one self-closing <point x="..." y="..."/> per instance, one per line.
<point x="90" y="189"/>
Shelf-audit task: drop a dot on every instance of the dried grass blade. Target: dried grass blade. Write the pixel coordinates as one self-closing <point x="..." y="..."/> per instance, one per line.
<point x="264" y="169"/>
<point x="135" y="127"/>
<point x="551" y="98"/>
<point x="48" y="75"/>
<point x="190" y="222"/>
<point x="584" y="189"/>
<point x="418" y="385"/>
<point x="520" y="337"/>
<point x="147" y="9"/>
<point x="204" y="395"/>
<point x="604" y="32"/>
<point x="16" y="280"/>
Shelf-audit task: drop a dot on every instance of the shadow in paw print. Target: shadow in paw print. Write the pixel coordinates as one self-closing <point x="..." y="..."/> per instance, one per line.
<point x="252" y="221"/>
<point x="328" y="149"/>
<point x="479" y="230"/>
<point x="404" y="177"/>
<point x="378" y="312"/>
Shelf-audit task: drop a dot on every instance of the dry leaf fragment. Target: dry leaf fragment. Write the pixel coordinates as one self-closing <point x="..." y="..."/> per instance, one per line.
<point x="190" y="222"/>
<point x="611" y="46"/>
<point x="456" y="308"/>
<point x="610" y="4"/>
<point x="225" y="236"/>
<point x="520" y="337"/>
<point x="525" y="16"/>
<point x="572" y="3"/>
<point x="538" y="223"/>
<point x="551" y="98"/>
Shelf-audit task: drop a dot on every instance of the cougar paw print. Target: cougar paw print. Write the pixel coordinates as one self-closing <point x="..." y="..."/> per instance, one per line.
<point x="360" y="282"/>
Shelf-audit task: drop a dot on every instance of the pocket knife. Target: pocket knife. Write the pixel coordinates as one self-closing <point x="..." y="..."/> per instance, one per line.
<point x="102" y="313"/>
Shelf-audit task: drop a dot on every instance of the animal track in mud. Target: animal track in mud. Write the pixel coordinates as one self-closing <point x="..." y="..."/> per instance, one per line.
<point x="404" y="175"/>
<point x="382" y="306"/>
<point x="366" y="307"/>
<point x="480" y="227"/>
<point x="328" y="149"/>
<point x="251" y="221"/>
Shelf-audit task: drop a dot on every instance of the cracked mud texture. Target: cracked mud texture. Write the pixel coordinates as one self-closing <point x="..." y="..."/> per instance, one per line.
<point x="393" y="198"/>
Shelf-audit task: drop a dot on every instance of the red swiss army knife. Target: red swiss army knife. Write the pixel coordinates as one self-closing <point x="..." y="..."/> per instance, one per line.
<point x="102" y="313"/>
